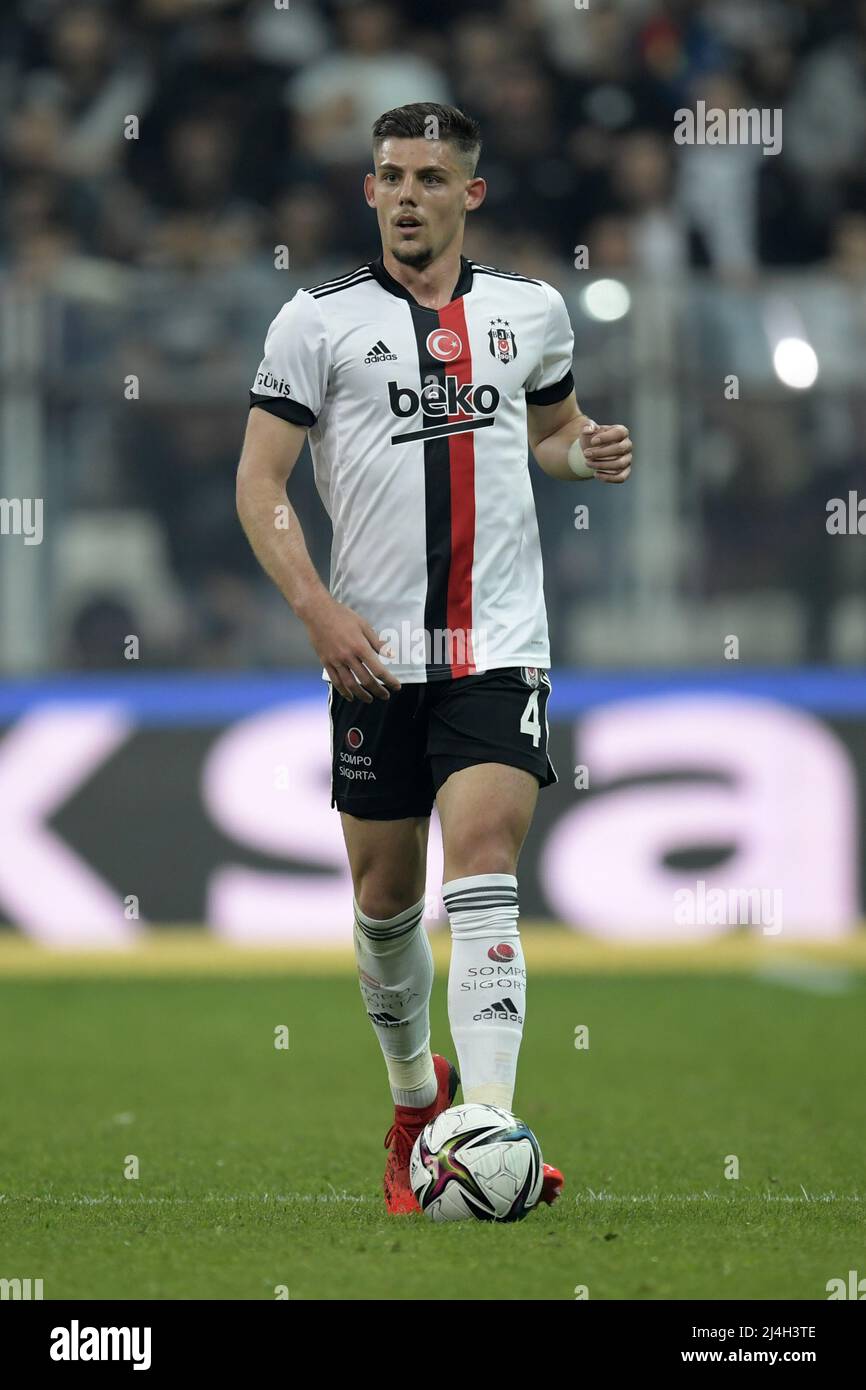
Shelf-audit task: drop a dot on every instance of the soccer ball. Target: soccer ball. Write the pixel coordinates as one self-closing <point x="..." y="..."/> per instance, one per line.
<point x="476" y="1161"/>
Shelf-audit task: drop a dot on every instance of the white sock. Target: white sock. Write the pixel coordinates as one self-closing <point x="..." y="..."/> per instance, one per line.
<point x="395" y="971"/>
<point x="486" y="984"/>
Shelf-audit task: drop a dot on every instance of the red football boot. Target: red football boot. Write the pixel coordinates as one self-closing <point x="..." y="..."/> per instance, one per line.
<point x="400" y="1139"/>
<point x="551" y="1184"/>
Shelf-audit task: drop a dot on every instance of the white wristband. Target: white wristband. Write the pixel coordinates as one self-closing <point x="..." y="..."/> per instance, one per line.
<point x="577" y="462"/>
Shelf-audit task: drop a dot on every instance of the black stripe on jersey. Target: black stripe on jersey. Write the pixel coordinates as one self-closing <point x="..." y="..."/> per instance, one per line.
<point x="285" y="409"/>
<point x="338" y="289"/>
<point x="387" y="281"/>
<point x="437" y="488"/>
<point x="549" y="395"/>
<point x="458" y="427"/>
<point x="338" y="280"/>
<point x="502" y="274"/>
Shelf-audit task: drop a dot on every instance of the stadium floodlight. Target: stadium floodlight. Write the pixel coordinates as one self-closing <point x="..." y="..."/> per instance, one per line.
<point x="795" y="363"/>
<point x="606" y="300"/>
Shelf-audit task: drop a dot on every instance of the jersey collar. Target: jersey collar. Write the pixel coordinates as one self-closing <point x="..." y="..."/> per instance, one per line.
<point x="387" y="281"/>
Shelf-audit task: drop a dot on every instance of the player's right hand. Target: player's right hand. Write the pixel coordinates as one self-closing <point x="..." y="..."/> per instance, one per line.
<point x="348" y="648"/>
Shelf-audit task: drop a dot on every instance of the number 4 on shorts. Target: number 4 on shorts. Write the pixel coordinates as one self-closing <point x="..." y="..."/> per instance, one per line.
<point x="529" y="720"/>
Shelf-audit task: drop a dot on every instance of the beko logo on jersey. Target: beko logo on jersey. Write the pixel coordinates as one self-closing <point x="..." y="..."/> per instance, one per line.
<point x="269" y="382"/>
<point x="477" y="403"/>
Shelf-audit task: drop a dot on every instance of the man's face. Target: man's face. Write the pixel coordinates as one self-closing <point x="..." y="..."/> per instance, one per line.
<point x="421" y="191"/>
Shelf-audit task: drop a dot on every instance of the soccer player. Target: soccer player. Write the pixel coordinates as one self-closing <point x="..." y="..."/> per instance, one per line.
<point x="420" y="377"/>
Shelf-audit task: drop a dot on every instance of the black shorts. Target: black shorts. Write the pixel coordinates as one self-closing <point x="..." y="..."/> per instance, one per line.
<point x="390" y="757"/>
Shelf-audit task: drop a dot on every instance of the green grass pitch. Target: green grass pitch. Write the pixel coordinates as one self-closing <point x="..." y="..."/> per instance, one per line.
<point x="261" y="1168"/>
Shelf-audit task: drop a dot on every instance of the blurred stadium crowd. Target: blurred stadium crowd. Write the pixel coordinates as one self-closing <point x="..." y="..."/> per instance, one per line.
<point x="154" y="255"/>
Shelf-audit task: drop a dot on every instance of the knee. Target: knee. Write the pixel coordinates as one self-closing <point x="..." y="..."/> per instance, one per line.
<point x="481" y="855"/>
<point x="383" y="898"/>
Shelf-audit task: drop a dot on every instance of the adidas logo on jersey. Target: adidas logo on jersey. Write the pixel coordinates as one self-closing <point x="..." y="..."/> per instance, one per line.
<point x="503" y="1009"/>
<point x="380" y="352"/>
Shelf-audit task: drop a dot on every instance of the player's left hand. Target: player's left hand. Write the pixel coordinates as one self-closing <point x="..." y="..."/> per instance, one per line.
<point x="608" y="449"/>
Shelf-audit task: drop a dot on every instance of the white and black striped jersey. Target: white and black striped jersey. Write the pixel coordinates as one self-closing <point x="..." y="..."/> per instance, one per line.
<point x="417" y="428"/>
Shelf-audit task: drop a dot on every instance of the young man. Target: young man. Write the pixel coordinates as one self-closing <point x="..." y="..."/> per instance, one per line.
<point x="420" y="377"/>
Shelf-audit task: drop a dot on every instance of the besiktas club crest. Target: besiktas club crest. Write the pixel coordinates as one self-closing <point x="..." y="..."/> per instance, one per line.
<point x="503" y="343"/>
<point x="530" y="675"/>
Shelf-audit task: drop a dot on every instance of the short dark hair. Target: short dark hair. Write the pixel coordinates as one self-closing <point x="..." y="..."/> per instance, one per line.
<point x="428" y="120"/>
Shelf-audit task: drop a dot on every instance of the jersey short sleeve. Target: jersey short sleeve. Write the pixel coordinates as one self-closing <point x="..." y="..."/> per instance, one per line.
<point x="292" y="378"/>
<point x="551" y="380"/>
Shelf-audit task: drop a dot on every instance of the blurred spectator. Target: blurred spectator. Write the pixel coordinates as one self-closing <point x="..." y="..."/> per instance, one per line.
<point x="826" y="119"/>
<point x="336" y="100"/>
<point x="98" y="631"/>
<point x="717" y="192"/>
<point x="305" y="222"/>
<point x="642" y="180"/>
<point x="71" y="107"/>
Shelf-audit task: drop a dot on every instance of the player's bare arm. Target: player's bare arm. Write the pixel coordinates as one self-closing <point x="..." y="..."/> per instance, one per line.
<point x="554" y="429"/>
<point x="345" y="643"/>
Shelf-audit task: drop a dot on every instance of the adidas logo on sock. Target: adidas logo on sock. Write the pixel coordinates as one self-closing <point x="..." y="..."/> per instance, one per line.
<point x="387" y="1020"/>
<point x="504" y="1009"/>
<point x="380" y="352"/>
